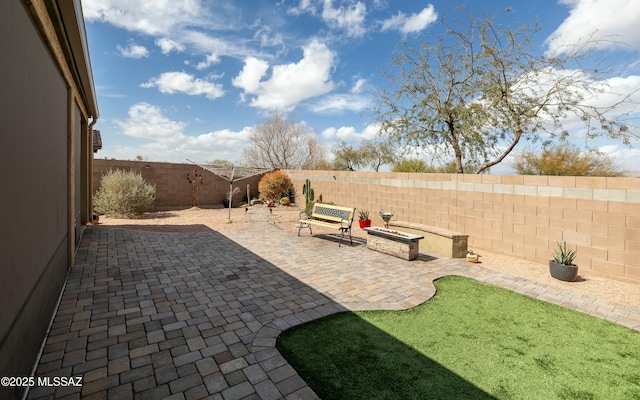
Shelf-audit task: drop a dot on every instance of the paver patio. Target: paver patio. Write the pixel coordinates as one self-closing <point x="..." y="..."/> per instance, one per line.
<point x="147" y="315"/>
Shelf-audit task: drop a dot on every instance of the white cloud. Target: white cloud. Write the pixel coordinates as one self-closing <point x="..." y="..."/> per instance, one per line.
<point x="147" y="121"/>
<point x="181" y="82"/>
<point x="249" y="78"/>
<point x="380" y="4"/>
<point x="617" y="98"/>
<point x="133" y="50"/>
<point x="225" y="138"/>
<point x="168" y="45"/>
<point x="268" y="38"/>
<point x="177" y="25"/>
<point x="411" y="23"/>
<point x="626" y="158"/>
<point x="208" y="61"/>
<point x="606" y="17"/>
<point x="304" y="6"/>
<point x="350" y="134"/>
<point x="339" y="103"/>
<point x="618" y="87"/>
<point x="213" y="47"/>
<point x="152" y="18"/>
<point x="358" y="86"/>
<point x="350" y="18"/>
<point x="168" y="142"/>
<point x="289" y="84"/>
<point x="353" y="101"/>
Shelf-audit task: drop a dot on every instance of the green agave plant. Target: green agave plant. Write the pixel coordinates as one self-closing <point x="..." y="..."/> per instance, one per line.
<point x="564" y="255"/>
<point x="364" y="215"/>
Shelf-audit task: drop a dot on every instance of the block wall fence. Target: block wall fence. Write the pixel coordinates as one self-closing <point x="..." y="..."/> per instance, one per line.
<point x="516" y="215"/>
<point x="172" y="187"/>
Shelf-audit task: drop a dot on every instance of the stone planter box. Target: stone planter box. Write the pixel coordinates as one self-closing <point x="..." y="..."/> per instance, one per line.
<point x="398" y="244"/>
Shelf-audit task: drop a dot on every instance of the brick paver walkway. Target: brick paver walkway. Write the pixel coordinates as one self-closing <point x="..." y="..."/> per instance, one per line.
<point x="196" y="315"/>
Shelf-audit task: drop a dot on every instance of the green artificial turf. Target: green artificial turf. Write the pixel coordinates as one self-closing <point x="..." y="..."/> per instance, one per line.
<point x="471" y="341"/>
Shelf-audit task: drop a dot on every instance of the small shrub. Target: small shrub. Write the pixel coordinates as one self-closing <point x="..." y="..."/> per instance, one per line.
<point x="124" y="194"/>
<point x="274" y="185"/>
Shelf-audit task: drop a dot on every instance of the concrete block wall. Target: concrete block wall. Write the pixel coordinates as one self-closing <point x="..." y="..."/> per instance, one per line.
<point x="516" y="215"/>
<point x="172" y="187"/>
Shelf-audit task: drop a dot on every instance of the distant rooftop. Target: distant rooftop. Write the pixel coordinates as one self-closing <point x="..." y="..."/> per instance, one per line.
<point x="97" y="141"/>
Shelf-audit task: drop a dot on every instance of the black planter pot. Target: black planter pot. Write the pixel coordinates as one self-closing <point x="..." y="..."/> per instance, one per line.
<point x="567" y="273"/>
<point x="225" y="203"/>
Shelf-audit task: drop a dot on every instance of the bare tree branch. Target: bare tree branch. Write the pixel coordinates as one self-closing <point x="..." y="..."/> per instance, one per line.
<point x="280" y="143"/>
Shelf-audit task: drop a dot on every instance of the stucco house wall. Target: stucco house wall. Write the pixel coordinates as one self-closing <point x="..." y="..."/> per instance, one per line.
<point x="47" y="105"/>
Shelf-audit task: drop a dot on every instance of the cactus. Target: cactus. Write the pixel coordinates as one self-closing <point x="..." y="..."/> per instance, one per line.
<point x="307" y="192"/>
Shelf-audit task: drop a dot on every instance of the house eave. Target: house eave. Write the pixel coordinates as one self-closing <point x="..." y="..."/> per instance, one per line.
<point x="71" y="30"/>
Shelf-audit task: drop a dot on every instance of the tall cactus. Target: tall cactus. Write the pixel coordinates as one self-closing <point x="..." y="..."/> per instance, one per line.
<point x="307" y="192"/>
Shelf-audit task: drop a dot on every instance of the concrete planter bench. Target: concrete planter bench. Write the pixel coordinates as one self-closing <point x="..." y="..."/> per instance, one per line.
<point x="443" y="241"/>
<point x="390" y="241"/>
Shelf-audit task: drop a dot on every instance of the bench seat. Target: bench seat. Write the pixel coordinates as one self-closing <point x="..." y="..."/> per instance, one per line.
<point x="443" y="241"/>
<point x="328" y="216"/>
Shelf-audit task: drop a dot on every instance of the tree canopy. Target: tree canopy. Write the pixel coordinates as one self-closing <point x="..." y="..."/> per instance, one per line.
<point x="347" y="157"/>
<point x="481" y="89"/>
<point x="565" y="160"/>
<point x="373" y="154"/>
<point x="281" y="143"/>
<point x="418" y="165"/>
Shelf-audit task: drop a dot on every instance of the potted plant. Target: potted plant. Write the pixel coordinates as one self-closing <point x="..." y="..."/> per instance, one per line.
<point x="562" y="266"/>
<point x="364" y="221"/>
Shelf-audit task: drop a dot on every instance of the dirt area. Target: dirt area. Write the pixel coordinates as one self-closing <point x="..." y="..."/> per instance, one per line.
<point x="202" y="220"/>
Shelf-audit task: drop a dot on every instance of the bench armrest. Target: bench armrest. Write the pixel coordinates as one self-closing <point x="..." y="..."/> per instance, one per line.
<point x="303" y="215"/>
<point x="344" y="223"/>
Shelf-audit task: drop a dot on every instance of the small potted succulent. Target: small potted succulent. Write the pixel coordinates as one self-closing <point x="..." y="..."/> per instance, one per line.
<point x="364" y="220"/>
<point x="562" y="266"/>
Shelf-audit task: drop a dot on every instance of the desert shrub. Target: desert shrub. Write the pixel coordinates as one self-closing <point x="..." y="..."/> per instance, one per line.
<point x="410" y="165"/>
<point x="124" y="194"/>
<point x="274" y="185"/>
<point x="565" y="160"/>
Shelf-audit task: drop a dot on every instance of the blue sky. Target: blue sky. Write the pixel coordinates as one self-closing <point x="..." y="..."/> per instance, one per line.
<point x="189" y="79"/>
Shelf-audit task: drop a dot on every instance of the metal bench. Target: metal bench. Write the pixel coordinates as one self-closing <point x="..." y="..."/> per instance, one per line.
<point x="328" y="216"/>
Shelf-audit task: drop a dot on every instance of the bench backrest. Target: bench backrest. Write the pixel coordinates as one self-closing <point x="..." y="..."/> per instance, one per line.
<point x="330" y="212"/>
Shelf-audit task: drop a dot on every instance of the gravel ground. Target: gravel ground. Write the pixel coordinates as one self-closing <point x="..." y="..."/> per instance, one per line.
<point x="202" y="220"/>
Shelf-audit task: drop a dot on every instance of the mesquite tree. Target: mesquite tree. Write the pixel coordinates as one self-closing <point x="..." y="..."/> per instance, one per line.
<point x="477" y="92"/>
